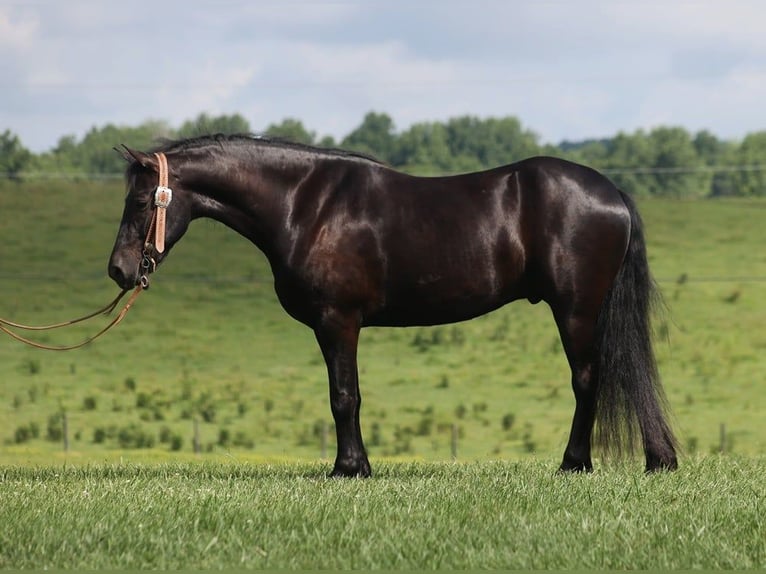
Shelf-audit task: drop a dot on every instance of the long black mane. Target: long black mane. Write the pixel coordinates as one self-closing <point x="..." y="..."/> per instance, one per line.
<point x="229" y="141"/>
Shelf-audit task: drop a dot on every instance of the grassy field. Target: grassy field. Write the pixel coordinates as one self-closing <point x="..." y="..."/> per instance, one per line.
<point x="708" y="515"/>
<point x="210" y="343"/>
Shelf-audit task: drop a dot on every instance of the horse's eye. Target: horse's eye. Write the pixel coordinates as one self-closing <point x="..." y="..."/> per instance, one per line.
<point x="140" y="203"/>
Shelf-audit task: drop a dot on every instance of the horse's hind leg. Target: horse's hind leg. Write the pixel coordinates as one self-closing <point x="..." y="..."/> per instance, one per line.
<point x="577" y="328"/>
<point x="338" y="336"/>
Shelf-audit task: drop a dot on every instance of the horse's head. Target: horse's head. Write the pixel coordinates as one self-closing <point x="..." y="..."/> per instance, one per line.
<point x="138" y="247"/>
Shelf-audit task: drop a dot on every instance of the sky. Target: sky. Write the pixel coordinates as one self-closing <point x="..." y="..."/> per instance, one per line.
<point x="568" y="69"/>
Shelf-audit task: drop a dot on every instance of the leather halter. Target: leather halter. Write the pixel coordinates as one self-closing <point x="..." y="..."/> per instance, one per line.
<point x="155" y="234"/>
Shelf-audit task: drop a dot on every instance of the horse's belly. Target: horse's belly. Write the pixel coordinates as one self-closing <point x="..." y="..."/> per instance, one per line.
<point x="414" y="310"/>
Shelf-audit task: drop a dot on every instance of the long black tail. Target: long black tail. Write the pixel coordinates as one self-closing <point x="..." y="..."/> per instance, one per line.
<point x="631" y="404"/>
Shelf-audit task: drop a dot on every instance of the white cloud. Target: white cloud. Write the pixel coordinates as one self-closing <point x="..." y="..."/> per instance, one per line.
<point x="567" y="70"/>
<point x="17" y="31"/>
<point x="375" y="66"/>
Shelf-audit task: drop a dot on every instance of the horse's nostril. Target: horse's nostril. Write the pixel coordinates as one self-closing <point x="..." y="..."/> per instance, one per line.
<point x="116" y="273"/>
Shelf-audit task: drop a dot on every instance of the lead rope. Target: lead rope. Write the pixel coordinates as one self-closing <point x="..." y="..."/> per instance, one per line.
<point x="105" y="310"/>
<point x="108" y="309"/>
<point x="162" y="197"/>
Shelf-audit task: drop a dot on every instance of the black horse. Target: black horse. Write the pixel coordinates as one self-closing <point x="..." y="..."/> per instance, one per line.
<point x="354" y="243"/>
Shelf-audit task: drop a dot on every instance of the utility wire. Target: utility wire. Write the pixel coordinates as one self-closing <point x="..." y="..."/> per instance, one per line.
<point x="681" y="170"/>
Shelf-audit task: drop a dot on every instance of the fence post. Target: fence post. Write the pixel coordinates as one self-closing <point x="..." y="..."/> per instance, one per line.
<point x="195" y="440"/>
<point x="65" y="430"/>
<point x="453" y="441"/>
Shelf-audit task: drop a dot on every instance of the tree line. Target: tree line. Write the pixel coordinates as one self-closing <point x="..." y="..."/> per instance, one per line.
<point x="664" y="161"/>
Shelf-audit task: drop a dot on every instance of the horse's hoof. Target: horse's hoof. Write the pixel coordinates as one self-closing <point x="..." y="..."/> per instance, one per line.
<point x="661" y="465"/>
<point x="575" y="467"/>
<point x="351" y="469"/>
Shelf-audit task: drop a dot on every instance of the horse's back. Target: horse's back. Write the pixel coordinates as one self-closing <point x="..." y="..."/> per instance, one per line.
<point x="408" y="250"/>
<point x="535" y="228"/>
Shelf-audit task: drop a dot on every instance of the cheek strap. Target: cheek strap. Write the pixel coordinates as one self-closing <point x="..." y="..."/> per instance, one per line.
<point x="162" y="198"/>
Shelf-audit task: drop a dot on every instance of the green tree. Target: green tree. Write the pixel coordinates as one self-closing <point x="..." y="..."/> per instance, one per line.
<point x="714" y="152"/>
<point x="59" y="160"/>
<point x="293" y="130"/>
<point x="205" y="124"/>
<point x="592" y="153"/>
<point x="375" y="136"/>
<point x="14" y="157"/>
<point x="710" y="149"/>
<point x="627" y="156"/>
<point x="678" y="168"/>
<point x="95" y="153"/>
<point x="750" y="159"/>
<point x="477" y="143"/>
<point x="423" y="149"/>
<point x="327" y="141"/>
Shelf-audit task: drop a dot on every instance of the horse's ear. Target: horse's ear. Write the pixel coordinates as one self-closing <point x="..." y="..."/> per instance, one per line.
<point x="147" y="160"/>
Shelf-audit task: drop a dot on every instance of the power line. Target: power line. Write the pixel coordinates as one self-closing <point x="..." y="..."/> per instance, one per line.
<point x="60" y="176"/>
<point x="680" y="170"/>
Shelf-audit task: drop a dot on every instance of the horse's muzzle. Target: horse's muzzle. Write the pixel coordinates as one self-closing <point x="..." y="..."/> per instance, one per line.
<point x="123" y="271"/>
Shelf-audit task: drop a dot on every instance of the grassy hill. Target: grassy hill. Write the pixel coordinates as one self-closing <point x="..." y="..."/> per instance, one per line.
<point x="209" y="342"/>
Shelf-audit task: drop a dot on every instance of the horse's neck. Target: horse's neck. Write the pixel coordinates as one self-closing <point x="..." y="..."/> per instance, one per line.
<point x="249" y="197"/>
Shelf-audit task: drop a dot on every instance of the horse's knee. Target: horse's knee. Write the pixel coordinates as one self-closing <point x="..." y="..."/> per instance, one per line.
<point x="344" y="404"/>
<point x="585" y="380"/>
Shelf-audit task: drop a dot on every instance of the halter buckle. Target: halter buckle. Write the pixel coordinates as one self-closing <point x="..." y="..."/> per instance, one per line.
<point x="147" y="261"/>
<point x="163" y="196"/>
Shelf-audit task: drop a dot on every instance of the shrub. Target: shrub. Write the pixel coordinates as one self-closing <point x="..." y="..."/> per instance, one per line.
<point x="165" y="434"/>
<point x="457" y="337"/>
<point x="26" y="432"/>
<point x="420" y="342"/>
<point x="102" y="434"/>
<point x="32" y="366"/>
<point x="425" y="426"/>
<point x="55" y="429"/>
<point x="21" y="435"/>
<point x="143" y="400"/>
<point x="526" y="439"/>
<point x="207" y="412"/>
<point x="176" y="442"/>
<point x="376" y="438"/>
<point x="241" y="439"/>
<point x="99" y="435"/>
<point x="134" y="436"/>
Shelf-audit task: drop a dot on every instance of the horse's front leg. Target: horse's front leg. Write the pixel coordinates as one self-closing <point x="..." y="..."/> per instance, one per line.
<point x="338" y="336"/>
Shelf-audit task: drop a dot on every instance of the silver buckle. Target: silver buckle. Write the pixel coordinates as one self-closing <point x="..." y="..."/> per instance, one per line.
<point x="163" y="196"/>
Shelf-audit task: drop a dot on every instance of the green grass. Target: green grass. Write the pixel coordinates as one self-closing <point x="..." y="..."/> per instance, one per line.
<point x="209" y="341"/>
<point x="708" y="515"/>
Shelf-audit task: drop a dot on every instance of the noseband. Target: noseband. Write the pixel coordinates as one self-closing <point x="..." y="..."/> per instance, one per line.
<point x="155" y="234"/>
